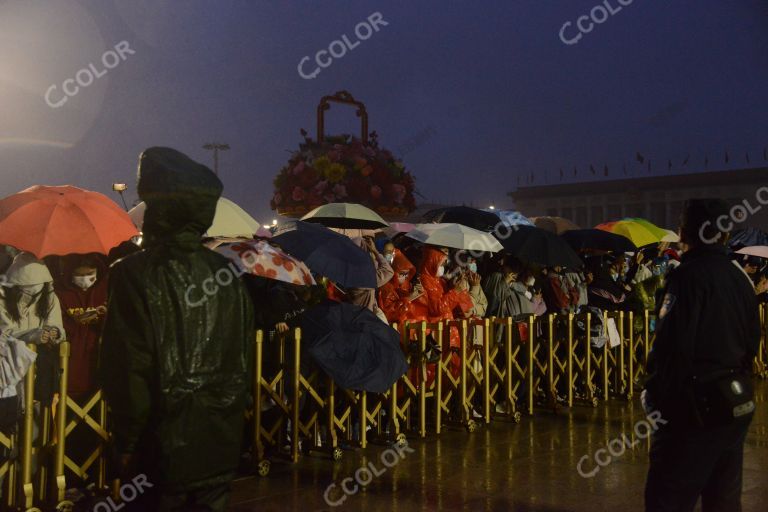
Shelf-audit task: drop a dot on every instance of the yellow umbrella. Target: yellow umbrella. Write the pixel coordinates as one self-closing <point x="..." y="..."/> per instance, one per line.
<point x="640" y="231"/>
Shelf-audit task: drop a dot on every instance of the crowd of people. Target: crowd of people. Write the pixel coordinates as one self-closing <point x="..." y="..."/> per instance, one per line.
<point x="67" y="298"/>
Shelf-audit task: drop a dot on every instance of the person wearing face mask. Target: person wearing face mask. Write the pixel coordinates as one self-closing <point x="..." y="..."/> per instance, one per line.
<point x="366" y="297"/>
<point x="506" y="294"/>
<point x="82" y="292"/>
<point x="30" y="313"/>
<point x="389" y="252"/>
<point x="442" y="302"/>
<point x="29" y="310"/>
<point x="397" y="298"/>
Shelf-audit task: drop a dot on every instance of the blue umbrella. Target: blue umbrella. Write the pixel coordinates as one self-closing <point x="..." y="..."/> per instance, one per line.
<point x="748" y="237"/>
<point x="328" y="254"/>
<point x="354" y="347"/>
<point x="512" y="218"/>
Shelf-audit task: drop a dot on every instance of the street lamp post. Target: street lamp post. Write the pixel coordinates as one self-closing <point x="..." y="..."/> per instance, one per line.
<point x="216" y="147"/>
<point x="120" y="188"/>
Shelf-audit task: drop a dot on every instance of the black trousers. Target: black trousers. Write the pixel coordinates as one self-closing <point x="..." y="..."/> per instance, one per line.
<point x="693" y="463"/>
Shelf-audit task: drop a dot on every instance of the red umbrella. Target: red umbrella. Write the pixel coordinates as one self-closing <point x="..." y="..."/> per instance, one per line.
<point x="63" y="220"/>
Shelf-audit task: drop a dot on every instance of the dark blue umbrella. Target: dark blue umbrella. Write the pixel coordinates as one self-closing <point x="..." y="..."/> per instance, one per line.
<point x="748" y="237"/>
<point x="354" y="347"/>
<point x="328" y="254"/>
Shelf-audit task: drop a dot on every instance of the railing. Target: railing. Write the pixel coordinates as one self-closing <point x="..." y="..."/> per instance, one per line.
<point x="505" y="368"/>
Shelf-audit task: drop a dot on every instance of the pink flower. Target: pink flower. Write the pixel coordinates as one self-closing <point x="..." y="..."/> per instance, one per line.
<point x="340" y="191"/>
<point x="298" y="168"/>
<point x="321" y="186"/>
<point x="298" y="194"/>
<point x="375" y="192"/>
<point x="398" y="193"/>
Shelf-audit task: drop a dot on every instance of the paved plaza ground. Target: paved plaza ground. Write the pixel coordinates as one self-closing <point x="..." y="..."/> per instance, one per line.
<point x="530" y="466"/>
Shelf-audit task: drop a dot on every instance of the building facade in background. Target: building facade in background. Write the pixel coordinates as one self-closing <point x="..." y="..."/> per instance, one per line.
<point x="656" y="198"/>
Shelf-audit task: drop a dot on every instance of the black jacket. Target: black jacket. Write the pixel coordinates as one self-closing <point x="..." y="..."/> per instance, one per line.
<point x="175" y="362"/>
<point x="708" y="322"/>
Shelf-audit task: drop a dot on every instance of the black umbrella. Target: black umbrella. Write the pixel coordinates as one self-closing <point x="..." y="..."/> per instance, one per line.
<point x="328" y="253"/>
<point x="535" y="245"/>
<point x="597" y="239"/>
<point x="354" y="347"/>
<point x="470" y="217"/>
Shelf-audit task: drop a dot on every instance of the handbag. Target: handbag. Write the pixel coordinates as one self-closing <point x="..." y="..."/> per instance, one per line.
<point x="723" y="398"/>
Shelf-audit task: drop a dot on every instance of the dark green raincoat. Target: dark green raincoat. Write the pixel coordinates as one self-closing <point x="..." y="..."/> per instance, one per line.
<point x="175" y="361"/>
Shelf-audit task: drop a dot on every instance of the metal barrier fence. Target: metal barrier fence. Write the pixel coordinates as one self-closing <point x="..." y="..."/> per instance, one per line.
<point x="504" y="368"/>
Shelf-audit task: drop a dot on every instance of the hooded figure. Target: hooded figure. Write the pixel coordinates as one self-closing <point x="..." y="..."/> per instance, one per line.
<point x="28" y="307"/>
<point x="441" y="303"/>
<point x="396" y="297"/>
<point x="176" y="354"/>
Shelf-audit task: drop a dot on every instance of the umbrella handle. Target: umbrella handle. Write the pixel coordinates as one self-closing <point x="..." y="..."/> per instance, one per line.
<point x="346" y="98"/>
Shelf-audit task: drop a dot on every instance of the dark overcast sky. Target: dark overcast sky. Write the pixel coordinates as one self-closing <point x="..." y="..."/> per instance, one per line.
<point x="491" y="81"/>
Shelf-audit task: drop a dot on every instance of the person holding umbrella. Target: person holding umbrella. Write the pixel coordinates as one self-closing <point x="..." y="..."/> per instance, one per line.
<point x="366" y="297"/>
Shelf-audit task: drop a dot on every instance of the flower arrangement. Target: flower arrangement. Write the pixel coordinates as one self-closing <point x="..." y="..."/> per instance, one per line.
<point x="343" y="169"/>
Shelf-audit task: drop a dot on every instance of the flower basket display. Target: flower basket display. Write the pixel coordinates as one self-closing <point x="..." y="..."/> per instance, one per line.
<point x="343" y="168"/>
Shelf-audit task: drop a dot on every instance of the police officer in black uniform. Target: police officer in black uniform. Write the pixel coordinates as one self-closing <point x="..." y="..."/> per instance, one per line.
<point x="699" y="372"/>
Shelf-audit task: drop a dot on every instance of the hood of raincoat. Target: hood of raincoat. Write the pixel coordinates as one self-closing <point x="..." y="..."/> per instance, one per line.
<point x="180" y="195"/>
<point x="27" y="270"/>
<point x="402" y="264"/>
<point x="431" y="260"/>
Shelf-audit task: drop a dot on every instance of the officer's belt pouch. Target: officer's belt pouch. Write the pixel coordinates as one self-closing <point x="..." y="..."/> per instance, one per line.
<point x="724" y="398"/>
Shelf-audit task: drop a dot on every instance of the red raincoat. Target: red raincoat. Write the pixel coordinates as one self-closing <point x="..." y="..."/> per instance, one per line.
<point x="394" y="296"/>
<point x="441" y="303"/>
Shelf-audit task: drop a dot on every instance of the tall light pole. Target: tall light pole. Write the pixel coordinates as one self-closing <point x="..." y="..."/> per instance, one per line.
<point x="216" y="147"/>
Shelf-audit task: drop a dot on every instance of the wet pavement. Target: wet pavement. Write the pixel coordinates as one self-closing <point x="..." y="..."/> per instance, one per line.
<point x="530" y="466"/>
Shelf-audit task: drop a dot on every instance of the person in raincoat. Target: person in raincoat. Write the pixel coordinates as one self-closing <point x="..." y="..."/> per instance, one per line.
<point x="396" y="297"/>
<point x="441" y="301"/>
<point x="176" y="372"/>
<point x="29" y="313"/>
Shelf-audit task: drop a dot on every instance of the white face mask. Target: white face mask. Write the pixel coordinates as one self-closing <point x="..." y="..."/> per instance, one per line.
<point x="402" y="279"/>
<point x="390" y="257"/>
<point x="530" y="281"/>
<point x="473" y="267"/>
<point x="441" y="271"/>
<point x="30" y="290"/>
<point x="84" y="282"/>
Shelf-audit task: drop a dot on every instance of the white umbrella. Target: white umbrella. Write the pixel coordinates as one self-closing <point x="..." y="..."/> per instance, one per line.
<point x="755" y="250"/>
<point x="456" y="236"/>
<point x="346" y="216"/>
<point x="230" y="220"/>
